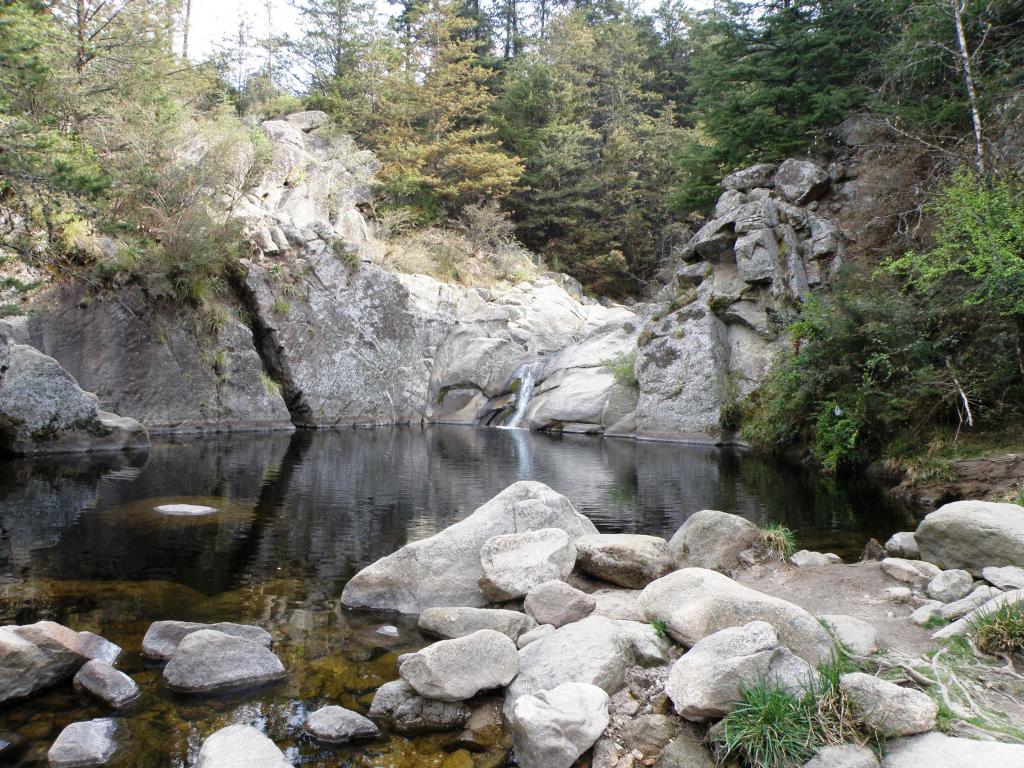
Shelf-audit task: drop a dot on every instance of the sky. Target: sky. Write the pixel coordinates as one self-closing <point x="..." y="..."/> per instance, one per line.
<point x="215" y="20"/>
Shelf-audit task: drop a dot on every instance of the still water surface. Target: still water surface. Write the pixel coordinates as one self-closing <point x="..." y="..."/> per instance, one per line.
<point x="299" y="514"/>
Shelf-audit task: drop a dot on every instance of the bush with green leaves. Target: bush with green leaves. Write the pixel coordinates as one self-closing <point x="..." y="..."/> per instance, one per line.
<point x="623" y="368"/>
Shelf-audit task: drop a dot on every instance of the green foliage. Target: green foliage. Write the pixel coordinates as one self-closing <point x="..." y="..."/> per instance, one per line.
<point x="623" y="368"/>
<point x="778" y="540"/>
<point x="660" y="629"/>
<point x="1001" y="630"/>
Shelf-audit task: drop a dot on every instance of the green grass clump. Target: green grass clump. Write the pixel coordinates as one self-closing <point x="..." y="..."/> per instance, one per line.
<point x="623" y="369"/>
<point x="779" y="540"/>
<point x="660" y="628"/>
<point x="1001" y="631"/>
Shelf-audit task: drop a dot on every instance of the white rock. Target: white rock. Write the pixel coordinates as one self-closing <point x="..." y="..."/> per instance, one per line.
<point x="109" y="685"/>
<point x="1007" y="577"/>
<point x="36" y="656"/>
<point x="713" y="539"/>
<point x="962" y="607"/>
<point x="336" y="725"/>
<point x="926" y="612"/>
<point x="558" y="604"/>
<point x="208" y="660"/>
<point x="898" y="594"/>
<point x="240" y="746"/>
<point x="888" y="708"/>
<point x="807" y="559"/>
<point x="917" y="573"/>
<point x="973" y="535"/>
<point x="515" y="563"/>
<point x="856" y="634"/>
<point x="553" y="728"/>
<point x="628" y="560"/>
<point x="903" y="545"/>
<point x="84" y="744"/>
<point x="535" y="634"/>
<point x="936" y="750"/>
<point x="184" y="510"/>
<point x="843" y="756"/>
<point x="162" y="637"/>
<point x="618" y="604"/>
<point x="962" y="625"/>
<point x="458" y="669"/>
<point x="950" y="586"/>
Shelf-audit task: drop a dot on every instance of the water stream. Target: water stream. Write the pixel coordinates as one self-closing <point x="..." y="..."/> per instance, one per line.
<point x="527" y="380"/>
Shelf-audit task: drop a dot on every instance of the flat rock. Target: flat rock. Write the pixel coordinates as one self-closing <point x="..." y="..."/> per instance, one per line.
<point x="515" y="563"/>
<point x="240" y="746"/>
<point x="553" y="728"/>
<point x="444" y="569"/>
<point x="535" y="634"/>
<point x="889" y="709"/>
<point x="37" y="656"/>
<point x="628" y="560"/>
<point x="84" y="744"/>
<point x="336" y="725"/>
<point x="904" y="545"/>
<point x="208" y="660"/>
<point x="685" y="751"/>
<point x="936" y="750"/>
<point x="963" y="624"/>
<point x="960" y="608"/>
<point x="926" y="612"/>
<point x="714" y="540"/>
<point x="807" y="559"/>
<point x="458" y="669"/>
<point x="162" y="637"/>
<point x="973" y="535"/>
<point x="950" y="586"/>
<point x="459" y="622"/>
<point x="184" y="510"/>
<point x="856" y="634"/>
<point x="595" y="650"/>
<point x="408" y="712"/>
<point x="558" y="604"/>
<point x="917" y="573"/>
<point x="96" y="647"/>
<point x="843" y="756"/>
<point x="111" y="686"/>
<point x="618" y="604"/>
<point x="1006" y="577"/>
<point x="695" y="602"/>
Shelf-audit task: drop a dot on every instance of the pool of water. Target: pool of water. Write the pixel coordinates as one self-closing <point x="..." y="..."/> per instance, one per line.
<point x="298" y="515"/>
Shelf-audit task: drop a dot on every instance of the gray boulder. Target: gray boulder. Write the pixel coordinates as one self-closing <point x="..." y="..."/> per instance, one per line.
<point x="459" y="622"/>
<point x="618" y="604"/>
<point x="950" y="586"/>
<point x="208" y="660"/>
<point x="916" y="573"/>
<point x="628" y="560"/>
<point x="111" y="686"/>
<point x="761" y="175"/>
<point x="553" y="728"/>
<point x="706" y="680"/>
<point x="308" y="121"/>
<point x="535" y="634"/>
<point x="801" y="181"/>
<point x="685" y="751"/>
<point x="807" y="559"/>
<point x="95" y="647"/>
<point x="444" y="569"/>
<point x="963" y="624"/>
<point x="515" y="563"/>
<point x="36" y="656"/>
<point x="856" y="634"/>
<point x="904" y="545"/>
<point x="1007" y="577"/>
<point x="84" y="744"/>
<point x="595" y="650"/>
<point x="408" y="712"/>
<point x="926" y="612"/>
<point x="458" y="669"/>
<point x="162" y="638"/>
<point x="937" y="750"/>
<point x="43" y="410"/>
<point x="695" y="602"/>
<point x="558" y="604"/>
<point x="977" y="598"/>
<point x="973" y="535"/>
<point x="336" y="725"/>
<point x="240" y="746"/>
<point x="712" y="539"/>
<point x="888" y="708"/>
<point x="843" y="756"/>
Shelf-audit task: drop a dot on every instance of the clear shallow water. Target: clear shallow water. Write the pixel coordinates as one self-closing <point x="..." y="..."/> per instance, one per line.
<point x="80" y="544"/>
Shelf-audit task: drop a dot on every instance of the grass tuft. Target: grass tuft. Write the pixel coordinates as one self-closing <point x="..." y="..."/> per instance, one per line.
<point x="1001" y="631"/>
<point x="779" y="540"/>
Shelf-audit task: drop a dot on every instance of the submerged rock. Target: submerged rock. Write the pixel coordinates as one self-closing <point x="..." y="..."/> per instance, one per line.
<point x="111" y="686"/>
<point x="444" y="569"/>
<point x="459" y="622"/>
<point x="208" y="660"/>
<point x="455" y="670"/>
<point x="629" y="560"/>
<point x="515" y="563"/>
<point x="84" y="744"/>
<point x="240" y="746"/>
<point x="398" y="703"/>
<point x="162" y="637"/>
<point x="973" y="535"/>
<point x="337" y="725"/>
<point x="555" y="727"/>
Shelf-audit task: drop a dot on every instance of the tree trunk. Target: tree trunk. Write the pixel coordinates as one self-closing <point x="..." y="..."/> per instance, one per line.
<point x="186" y="21"/>
<point x="968" y="71"/>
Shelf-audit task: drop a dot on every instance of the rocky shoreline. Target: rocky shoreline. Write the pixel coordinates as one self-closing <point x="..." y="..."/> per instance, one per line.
<point x="558" y="644"/>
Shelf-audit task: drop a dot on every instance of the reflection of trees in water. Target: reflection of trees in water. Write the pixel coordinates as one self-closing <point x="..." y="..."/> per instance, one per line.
<point x="319" y="506"/>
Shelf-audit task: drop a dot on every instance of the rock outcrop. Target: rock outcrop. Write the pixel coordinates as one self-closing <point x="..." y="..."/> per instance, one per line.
<point x="973" y="535"/>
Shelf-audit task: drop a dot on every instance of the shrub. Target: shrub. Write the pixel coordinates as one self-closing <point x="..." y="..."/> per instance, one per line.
<point x="623" y="368"/>
<point x="779" y="540"/>
<point x="1001" y="631"/>
<point x="769" y="728"/>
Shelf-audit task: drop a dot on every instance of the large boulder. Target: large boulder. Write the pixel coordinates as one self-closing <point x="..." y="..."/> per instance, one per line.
<point x="695" y="602"/>
<point x="887" y="708"/>
<point x="111" y="686"/>
<point x="916" y="573"/>
<point x="43" y="410"/>
<point x="629" y="560"/>
<point x="557" y="603"/>
<point x="84" y="744"/>
<point x="712" y="539"/>
<point x="458" y="669"/>
<point x="950" y="585"/>
<point x="754" y="177"/>
<point x="903" y="544"/>
<point x="444" y="569"/>
<point x="36" y="656"/>
<point x="801" y="181"/>
<point x="937" y="750"/>
<point x="336" y="725"/>
<point x="973" y="535"/>
<point x="162" y="637"/>
<point x="408" y="712"/>
<point x="1007" y="577"/>
<point x="515" y="563"/>
<point x="459" y="622"/>
<point x="240" y="746"/>
<point x="595" y="650"/>
<point x="706" y="680"/>
<point x="208" y="660"/>
<point x="553" y="728"/>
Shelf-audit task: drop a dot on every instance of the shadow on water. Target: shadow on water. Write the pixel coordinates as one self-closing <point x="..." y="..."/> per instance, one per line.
<point x="298" y="515"/>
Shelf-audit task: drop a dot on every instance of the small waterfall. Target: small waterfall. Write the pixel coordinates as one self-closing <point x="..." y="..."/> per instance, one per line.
<point x="527" y="379"/>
